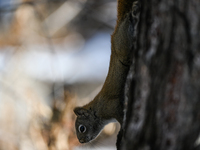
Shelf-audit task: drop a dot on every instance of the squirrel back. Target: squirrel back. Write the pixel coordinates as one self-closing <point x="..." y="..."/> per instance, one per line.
<point x="108" y="104"/>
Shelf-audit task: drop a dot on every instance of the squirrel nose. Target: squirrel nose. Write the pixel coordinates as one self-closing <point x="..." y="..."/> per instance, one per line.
<point x="81" y="141"/>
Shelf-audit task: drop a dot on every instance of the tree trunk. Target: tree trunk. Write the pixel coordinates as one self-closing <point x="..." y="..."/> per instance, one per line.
<point x="163" y="85"/>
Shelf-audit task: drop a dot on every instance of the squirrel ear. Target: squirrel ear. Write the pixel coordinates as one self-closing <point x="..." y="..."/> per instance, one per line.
<point x="79" y="111"/>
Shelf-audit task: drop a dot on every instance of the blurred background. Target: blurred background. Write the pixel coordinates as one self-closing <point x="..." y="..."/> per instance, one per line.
<point x="54" y="56"/>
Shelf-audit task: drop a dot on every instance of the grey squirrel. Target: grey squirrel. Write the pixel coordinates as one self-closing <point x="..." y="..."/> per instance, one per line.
<point x="107" y="106"/>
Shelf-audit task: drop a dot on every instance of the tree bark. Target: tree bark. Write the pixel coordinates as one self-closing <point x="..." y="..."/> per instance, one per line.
<point x="163" y="85"/>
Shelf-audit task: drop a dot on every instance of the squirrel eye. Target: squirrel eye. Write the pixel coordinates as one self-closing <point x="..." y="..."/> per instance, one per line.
<point x="82" y="128"/>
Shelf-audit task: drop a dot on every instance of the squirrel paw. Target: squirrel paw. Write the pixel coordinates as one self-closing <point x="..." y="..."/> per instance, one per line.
<point x="136" y="9"/>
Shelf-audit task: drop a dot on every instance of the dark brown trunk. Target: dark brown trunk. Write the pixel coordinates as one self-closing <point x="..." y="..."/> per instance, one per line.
<point x="163" y="86"/>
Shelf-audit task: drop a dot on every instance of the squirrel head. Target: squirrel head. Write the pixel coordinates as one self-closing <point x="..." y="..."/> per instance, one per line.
<point x="87" y="124"/>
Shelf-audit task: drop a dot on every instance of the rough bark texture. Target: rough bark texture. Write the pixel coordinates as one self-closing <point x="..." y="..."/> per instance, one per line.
<point x="163" y="86"/>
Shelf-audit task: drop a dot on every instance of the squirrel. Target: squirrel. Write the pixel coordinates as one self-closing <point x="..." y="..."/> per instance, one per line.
<point x="108" y="105"/>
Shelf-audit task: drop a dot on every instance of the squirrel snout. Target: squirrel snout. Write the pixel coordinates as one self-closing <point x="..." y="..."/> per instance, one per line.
<point x="82" y="141"/>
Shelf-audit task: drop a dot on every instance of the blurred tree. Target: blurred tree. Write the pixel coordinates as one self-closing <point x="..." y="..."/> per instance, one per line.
<point x="163" y="85"/>
<point x="5" y="18"/>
